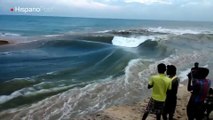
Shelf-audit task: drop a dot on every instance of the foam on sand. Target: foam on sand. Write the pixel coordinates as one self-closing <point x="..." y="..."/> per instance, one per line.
<point x="136" y="110"/>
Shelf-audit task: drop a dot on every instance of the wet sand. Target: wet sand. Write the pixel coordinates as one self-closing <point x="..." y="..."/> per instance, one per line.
<point x="135" y="111"/>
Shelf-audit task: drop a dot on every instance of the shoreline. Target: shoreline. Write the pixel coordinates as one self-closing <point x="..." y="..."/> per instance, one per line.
<point x="135" y="111"/>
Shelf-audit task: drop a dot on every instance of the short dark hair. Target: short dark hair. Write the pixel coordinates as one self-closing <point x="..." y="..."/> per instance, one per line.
<point x="161" y="68"/>
<point x="171" y="70"/>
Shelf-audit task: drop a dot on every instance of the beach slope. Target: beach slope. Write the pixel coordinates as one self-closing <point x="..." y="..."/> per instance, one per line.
<point x="135" y="111"/>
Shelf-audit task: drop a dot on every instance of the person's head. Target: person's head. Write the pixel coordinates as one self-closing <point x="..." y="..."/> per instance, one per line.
<point x="201" y="73"/>
<point x="196" y="65"/>
<point x="171" y="70"/>
<point x="161" y="68"/>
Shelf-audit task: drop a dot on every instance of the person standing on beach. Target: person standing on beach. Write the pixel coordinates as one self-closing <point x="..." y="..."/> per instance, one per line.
<point x="193" y="72"/>
<point x="199" y="86"/>
<point x="159" y="83"/>
<point x="171" y="99"/>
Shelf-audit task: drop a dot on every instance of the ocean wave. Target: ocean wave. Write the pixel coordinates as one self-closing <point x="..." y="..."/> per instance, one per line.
<point x="99" y="64"/>
<point x="178" y="31"/>
<point x="155" y="31"/>
<point x="8" y="34"/>
<point x="29" y="92"/>
<point x="52" y="35"/>
<point x="130" y="42"/>
<point x="134" y="41"/>
<point x="74" y="43"/>
<point x="97" y="96"/>
<point x="67" y="58"/>
<point x="130" y="32"/>
<point x="104" y="31"/>
<point x="134" y="37"/>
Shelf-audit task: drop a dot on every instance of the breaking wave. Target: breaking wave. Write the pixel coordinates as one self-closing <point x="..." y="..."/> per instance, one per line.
<point x="127" y="88"/>
<point x="134" y="41"/>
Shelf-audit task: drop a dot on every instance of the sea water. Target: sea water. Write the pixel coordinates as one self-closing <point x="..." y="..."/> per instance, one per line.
<point x="61" y="67"/>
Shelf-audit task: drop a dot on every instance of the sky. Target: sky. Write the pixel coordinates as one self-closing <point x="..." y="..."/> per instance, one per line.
<point x="187" y="10"/>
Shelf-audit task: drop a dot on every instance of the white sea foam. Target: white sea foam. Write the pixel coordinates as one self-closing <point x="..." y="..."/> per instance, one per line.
<point x="183" y="74"/>
<point x="177" y="31"/>
<point x="56" y="35"/>
<point x="51" y="73"/>
<point x="28" y="92"/>
<point x="132" y="41"/>
<point x="104" y="31"/>
<point x="5" y="98"/>
<point x="5" y="34"/>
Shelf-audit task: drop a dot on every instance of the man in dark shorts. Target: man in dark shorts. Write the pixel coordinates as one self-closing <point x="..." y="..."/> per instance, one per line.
<point x="159" y="83"/>
<point x="199" y="86"/>
<point x="171" y="99"/>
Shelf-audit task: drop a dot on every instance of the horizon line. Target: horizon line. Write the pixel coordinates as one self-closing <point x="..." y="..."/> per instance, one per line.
<point x="84" y="17"/>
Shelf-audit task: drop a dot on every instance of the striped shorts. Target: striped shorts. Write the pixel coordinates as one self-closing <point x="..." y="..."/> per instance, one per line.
<point x="155" y="107"/>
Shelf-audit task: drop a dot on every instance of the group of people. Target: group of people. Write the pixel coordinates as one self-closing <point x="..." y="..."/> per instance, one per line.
<point x="164" y="93"/>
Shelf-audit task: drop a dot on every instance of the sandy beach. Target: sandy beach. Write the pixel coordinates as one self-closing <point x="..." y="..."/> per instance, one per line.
<point x="135" y="111"/>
